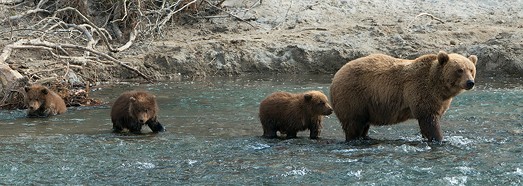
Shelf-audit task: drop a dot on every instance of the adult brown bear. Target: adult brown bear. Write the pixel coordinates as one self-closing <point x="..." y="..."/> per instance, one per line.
<point x="134" y="109"/>
<point x="43" y="102"/>
<point x="290" y="113"/>
<point x="382" y="90"/>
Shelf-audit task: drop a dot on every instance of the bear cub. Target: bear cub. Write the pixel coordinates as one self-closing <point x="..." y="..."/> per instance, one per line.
<point x="290" y="113"/>
<point x="132" y="110"/>
<point x="43" y="102"/>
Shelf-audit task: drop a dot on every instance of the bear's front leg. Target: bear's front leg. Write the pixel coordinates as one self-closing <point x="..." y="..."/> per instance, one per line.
<point x="315" y="133"/>
<point x="356" y="130"/>
<point x="135" y="128"/>
<point x="51" y="110"/>
<point x="155" y="126"/>
<point x="40" y="112"/>
<point x="32" y="114"/>
<point x="117" y="128"/>
<point x="430" y="128"/>
<point x="315" y="129"/>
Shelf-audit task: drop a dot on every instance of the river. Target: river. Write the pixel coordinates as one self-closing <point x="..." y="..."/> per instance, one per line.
<point x="213" y="138"/>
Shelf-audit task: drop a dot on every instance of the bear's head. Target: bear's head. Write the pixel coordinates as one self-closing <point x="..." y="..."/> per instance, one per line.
<point x="36" y="96"/>
<point x="317" y="103"/>
<point x="142" y="108"/>
<point x="458" y="71"/>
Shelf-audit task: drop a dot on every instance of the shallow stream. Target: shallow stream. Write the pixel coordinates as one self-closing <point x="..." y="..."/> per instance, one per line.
<point x="213" y="137"/>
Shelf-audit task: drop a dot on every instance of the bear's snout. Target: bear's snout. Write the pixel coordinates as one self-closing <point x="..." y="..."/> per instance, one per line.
<point x="33" y="105"/>
<point x="469" y="84"/>
<point x="328" y="111"/>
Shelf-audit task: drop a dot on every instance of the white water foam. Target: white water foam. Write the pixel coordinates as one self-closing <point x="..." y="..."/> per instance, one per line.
<point x="459" y="141"/>
<point x="457" y="180"/>
<point x="296" y="172"/>
<point x="258" y="146"/>
<point x="356" y="174"/>
<point x="409" y="148"/>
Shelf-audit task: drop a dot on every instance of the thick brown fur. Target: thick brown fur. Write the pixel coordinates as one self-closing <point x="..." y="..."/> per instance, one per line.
<point x="382" y="90"/>
<point x="290" y="113"/>
<point x="134" y="109"/>
<point x="43" y="102"/>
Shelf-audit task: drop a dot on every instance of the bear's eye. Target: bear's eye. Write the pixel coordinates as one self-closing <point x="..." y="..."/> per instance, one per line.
<point x="321" y="103"/>
<point x="460" y="71"/>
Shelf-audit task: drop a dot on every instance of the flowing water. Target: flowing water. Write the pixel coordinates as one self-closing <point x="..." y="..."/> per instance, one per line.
<point x="213" y="137"/>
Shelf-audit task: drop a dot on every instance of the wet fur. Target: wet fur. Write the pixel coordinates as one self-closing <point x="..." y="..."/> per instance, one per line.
<point x="290" y="113"/>
<point x="42" y="102"/>
<point x="382" y="90"/>
<point x="134" y="109"/>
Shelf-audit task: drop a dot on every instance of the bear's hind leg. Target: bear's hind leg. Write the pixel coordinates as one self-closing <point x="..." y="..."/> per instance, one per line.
<point x="291" y="134"/>
<point x="268" y="130"/>
<point x="365" y="134"/>
<point x="269" y="133"/>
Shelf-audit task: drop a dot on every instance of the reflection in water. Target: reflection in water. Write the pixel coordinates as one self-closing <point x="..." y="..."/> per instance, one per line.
<point x="213" y="134"/>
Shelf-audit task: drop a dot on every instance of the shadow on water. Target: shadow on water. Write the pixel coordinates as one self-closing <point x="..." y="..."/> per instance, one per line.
<point x="213" y="137"/>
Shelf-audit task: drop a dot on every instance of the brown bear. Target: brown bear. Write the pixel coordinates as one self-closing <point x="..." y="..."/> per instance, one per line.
<point x="382" y="90"/>
<point x="43" y="102"/>
<point x="132" y="110"/>
<point x="290" y="113"/>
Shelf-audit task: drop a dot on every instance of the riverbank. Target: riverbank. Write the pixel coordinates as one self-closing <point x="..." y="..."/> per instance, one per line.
<point x="274" y="36"/>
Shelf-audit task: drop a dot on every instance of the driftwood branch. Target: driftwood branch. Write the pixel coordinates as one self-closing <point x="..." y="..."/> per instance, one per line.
<point x="12" y="75"/>
<point x="9" y="79"/>
<point x="425" y="14"/>
<point x="103" y="36"/>
<point x="132" y="37"/>
<point x="27" y="13"/>
<point x="169" y="16"/>
<point x="77" y="47"/>
<point x="125" y="13"/>
<point x="235" y="16"/>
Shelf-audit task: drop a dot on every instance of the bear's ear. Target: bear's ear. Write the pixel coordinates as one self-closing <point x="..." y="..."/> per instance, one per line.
<point x="45" y="91"/>
<point x="473" y="58"/>
<point x="307" y="97"/>
<point x="27" y="89"/>
<point x="443" y="57"/>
